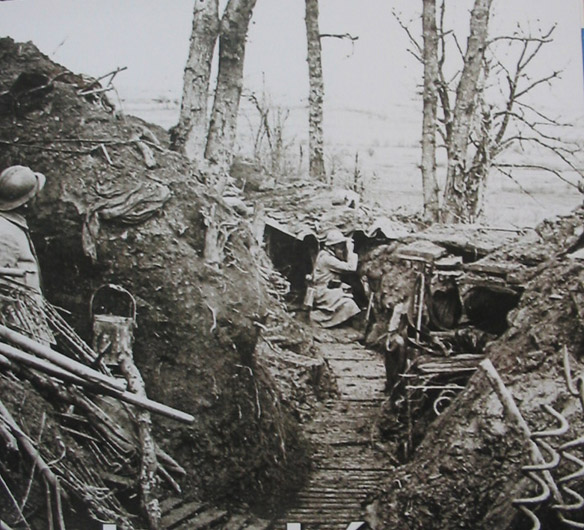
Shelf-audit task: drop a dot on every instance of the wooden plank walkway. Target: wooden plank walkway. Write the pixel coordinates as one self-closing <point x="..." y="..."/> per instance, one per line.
<point x="347" y="468"/>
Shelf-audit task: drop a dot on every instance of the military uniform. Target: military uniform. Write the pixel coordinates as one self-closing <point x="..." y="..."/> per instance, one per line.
<point x="21" y="298"/>
<point x="333" y="304"/>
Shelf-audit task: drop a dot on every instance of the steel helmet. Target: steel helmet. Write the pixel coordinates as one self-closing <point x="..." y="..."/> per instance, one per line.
<point x="334" y="237"/>
<point x="18" y="184"/>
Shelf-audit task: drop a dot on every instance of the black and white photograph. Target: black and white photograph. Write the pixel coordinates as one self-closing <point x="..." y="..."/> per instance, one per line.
<point x="291" y="265"/>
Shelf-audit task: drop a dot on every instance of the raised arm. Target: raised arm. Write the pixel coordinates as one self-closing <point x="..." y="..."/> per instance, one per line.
<point x="337" y="265"/>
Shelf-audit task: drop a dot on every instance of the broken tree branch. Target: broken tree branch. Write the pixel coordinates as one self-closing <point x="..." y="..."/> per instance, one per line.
<point x="60" y="360"/>
<point x="95" y="91"/>
<point x="29" y="448"/>
<point x="15" y="503"/>
<point x="111" y="75"/>
<point x="339" y="36"/>
<point x="63" y="374"/>
<point x="122" y="349"/>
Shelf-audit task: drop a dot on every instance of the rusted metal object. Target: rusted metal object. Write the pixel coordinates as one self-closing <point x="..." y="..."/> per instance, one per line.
<point x="113" y="313"/>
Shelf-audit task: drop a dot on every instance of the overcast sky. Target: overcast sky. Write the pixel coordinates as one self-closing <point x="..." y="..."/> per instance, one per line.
<point x="151" y="38"/>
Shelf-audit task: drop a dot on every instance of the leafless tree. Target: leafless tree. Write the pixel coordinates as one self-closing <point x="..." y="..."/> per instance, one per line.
<point x="223" y="124"/>
<point x="316" y="167"/>
<point x="190" y="135"/>
<point x="195" y="134"/>
<point x="316" y="93"/>
<point x="483" y="107"/>
<point x="429" y="123"/>
<point x="461" y="194"/>
<point x="214" y="139"/>
<point x="271" y="149"/>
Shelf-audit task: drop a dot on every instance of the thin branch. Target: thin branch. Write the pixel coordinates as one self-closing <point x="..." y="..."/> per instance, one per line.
<point x="95" y="91"/>
<point x="518" y="184"/>
<point x="536" y="166"/>
<point x="534" y="126"/>
<point x="112" y="74"/>
<point x="14" y="502"/>
<point x="413" y="41"/>
<point x="550" y="121"/>
<point x="339" y="36"/>
<point x="545" y="79"/>
<point x="542" y="40"/>
<point x="415" y="55"/>
<point x="558" y="149"/>
<point x="458" y="45"/>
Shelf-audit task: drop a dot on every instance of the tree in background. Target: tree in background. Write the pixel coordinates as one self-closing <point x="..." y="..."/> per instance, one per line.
<point x="316" y="93"/>
<point x="462" y="194"/>
<point x="481" y="110"/>
<point x="430" y="187"/>
<point x="316" y="168"/>
<point x="195" y="135"/>
<point x="223" y="124"/>
<point x="190" y="135"/>
<point x="214" y="139"/>
<point x="271" y="148"/>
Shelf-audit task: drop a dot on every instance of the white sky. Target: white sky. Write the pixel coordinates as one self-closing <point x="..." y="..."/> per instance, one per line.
<point x="151" y="37"/>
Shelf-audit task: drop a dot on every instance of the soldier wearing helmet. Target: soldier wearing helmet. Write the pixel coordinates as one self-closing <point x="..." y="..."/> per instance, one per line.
<point x="333" y="304"/>
<point x="18" y="261"/>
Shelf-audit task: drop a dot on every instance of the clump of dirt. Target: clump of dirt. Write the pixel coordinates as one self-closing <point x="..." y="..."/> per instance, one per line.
<point x="467" y="470"/>
<point x="109" y="214"/>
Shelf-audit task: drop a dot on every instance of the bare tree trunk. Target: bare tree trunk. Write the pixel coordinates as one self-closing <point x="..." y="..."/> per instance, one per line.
<point x="316" y="93"/>
<point x="460" y="188"/>
<point x="190" y="135"/>
<point x="223" y="125"/>
<point x="429" y="125"/>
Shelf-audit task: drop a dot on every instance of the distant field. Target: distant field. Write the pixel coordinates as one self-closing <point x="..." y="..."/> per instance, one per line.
<point x="388" y="153"/>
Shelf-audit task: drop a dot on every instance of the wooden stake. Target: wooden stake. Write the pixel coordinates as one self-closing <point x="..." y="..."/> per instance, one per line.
<point x="29" y="448"/>
<point x="514" y="415"/>
<point x="4" y="526"/>
<point x="61" y="360"/>
<point x="122" y="349"/>
<point x="61" y="373"/>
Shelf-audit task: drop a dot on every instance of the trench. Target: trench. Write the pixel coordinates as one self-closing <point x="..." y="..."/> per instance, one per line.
<point x="348" y="464"/>
<point x="376" y="422"/>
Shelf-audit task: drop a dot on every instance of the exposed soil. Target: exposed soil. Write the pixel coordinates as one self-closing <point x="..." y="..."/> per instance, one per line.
<point x="105" y="216"/>
<point x="217" y="341"/>
<point x="467" y="470"/>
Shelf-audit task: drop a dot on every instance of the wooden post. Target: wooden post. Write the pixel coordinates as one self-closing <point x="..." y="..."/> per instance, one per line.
<point x="514" y="415"/>
<point x="122" y="338"/>
<point x="29" y="448"/>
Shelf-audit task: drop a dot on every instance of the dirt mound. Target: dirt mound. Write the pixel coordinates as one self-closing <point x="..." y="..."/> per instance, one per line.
<point x="119" y="207"/>
<point x="468" y="469"/>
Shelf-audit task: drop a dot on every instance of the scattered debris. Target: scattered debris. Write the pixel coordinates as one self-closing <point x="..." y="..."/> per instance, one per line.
<point x="105" y="217"/>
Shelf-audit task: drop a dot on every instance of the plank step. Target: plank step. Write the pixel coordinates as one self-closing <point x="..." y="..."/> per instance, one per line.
<point x="181" y="514"/>
<point x="236" y="522"/>
<point x="169" y="504"/>
<point x="207" y="519"/>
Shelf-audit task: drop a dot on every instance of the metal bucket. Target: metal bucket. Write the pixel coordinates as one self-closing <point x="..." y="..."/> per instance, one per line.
<point x="112" y="332"/>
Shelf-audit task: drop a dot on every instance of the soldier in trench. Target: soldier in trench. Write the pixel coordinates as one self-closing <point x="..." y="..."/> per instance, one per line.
<point x="21" y="299"/>
<point x="333" y="302"/>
